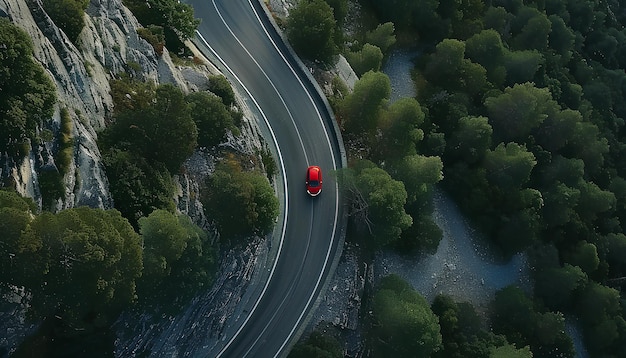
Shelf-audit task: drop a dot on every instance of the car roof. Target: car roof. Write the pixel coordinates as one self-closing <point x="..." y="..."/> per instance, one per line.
<point x="315" y="172"/>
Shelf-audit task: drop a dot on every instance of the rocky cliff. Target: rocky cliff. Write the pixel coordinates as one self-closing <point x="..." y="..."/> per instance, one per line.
<point x="107" y="46"/>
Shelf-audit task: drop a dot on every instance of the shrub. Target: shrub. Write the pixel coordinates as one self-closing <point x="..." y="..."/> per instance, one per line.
<point x="154" y="35"/>
<point x="66" y="143"/>
<point x="67" y="15"/>
<point x="221" y="87"/>
<point x="242" y="202"/>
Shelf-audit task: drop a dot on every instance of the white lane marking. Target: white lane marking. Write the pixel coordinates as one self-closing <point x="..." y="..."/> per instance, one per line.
<point x="282" y="100"/>
<point x="286" y="202"/>
<point x="319" y="116"/>
<point x="291" y="287"/>
<point x="282" y="165"/>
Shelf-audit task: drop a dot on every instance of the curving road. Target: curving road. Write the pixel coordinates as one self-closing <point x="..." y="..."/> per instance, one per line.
<point x="238" y="34"/>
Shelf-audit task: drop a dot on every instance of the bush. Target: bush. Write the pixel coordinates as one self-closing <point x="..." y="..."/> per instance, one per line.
<point x="51" y="186"/>
<point x="369" y="58"/>
<point x="66" y="143"/>
<point x="138" y="187"/>
<point x="67" y="15"/>
<point x="178" y="258"/>
<point x="311" y="30"/>
<point x="211" y="116"/>
<point x="403" y="323"/>
<point x="241" y="202"/>
<point x="316" y="346"/>
<point x="28" y="94"/>
<point x="221" y="87"/>
<point x="154" y="35"/>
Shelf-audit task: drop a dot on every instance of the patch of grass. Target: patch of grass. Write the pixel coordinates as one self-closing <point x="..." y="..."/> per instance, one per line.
<point x="89" y="68"/>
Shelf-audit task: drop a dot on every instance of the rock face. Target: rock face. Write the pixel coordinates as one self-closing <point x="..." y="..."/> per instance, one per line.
<point x="107" y="46"/>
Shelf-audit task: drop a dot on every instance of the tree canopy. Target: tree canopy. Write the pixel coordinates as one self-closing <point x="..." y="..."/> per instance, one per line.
<point x="28" y="94"/>
<point x="360" y="111"/>
<point x="311" y="30"/>
<point x="80" y="264"/>
<point x="377" y="203"/>
<point x="178" y="257"/>
<point x="403" y="324"/>
<point x="170" y="14"/>
<point x="241" y="202"/>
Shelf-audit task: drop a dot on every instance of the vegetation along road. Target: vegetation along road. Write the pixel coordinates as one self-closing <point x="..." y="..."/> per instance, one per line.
<point x="256" y="60"/>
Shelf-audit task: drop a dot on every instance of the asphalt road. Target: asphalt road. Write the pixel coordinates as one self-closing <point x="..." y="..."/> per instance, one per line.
<point x="236" y="32"/>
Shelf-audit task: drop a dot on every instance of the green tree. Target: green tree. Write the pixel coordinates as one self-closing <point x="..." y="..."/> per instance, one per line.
<point x="589" y="145"/>
<point x="594" y="201"/>
<point x="369" y="58"/>
<point x="418" y="15"/>
<point x="211" y="116"/>
<point x="16" y="214"/>
<point x="497" y="18"/>
<point x="463" y="332"/>
<point x="556" y="286"/>
<point x="378" y="204"/>
<point x="400" y="129"/>
<point x="382" y="36"/>
<point x="177" y="257"/>
<point x="28" y="94"/>
<point x="509" y="165"/>
<point x="599" y="309"/>
<point x="172" y="136"/>
<point x="535" y="33"/>
<point x="139" y="188"/>
<point x="471" y="140"/>
<point x="69" y="15"/>
<point x="130" y="95"/>
<point x="89" y="261"/>
<point x="558" y="129"/>
<point x="340" y="10"/>
<point x="584" y="255"/>
<point x="241" y="202"/>
<point x="418" y="173"/>
<point x="170" y="14"/>
<point x="360" y="110"/>
<point x="220" y="86"/>
<point x="158" y="128"/>
<point x="522" y="66"/>
<point x="423" y="235"/>
<point x="317" y="345"/>
<point x="445" y="62"/>
<point x="486" y="48"/>
<point x="311" y="30"/>
<point x="403" y="323"/>
<point x="448" y="68"/>
<point x="561" y="38"/>
<point x="164" y="240"/>
<point x="560" y="201"/>
<point x="513" y="314"/>
<point x="616" y="244"/>
<point x="510" y="351"/>
<point x="520" y="109"/>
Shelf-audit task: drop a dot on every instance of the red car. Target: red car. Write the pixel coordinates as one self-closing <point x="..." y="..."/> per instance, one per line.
<point x="314" y="180"/>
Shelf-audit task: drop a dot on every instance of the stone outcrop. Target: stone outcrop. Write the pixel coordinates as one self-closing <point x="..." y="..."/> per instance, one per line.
<point x="107" y="46"/>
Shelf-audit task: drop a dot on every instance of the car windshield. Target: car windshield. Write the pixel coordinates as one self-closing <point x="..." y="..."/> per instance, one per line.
<point x="314" y="183"/>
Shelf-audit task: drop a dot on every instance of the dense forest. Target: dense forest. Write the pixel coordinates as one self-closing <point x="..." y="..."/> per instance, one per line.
<point x="77" y="269"/>
<point x="519" y="114"/>
<point x="521" y="106"/>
